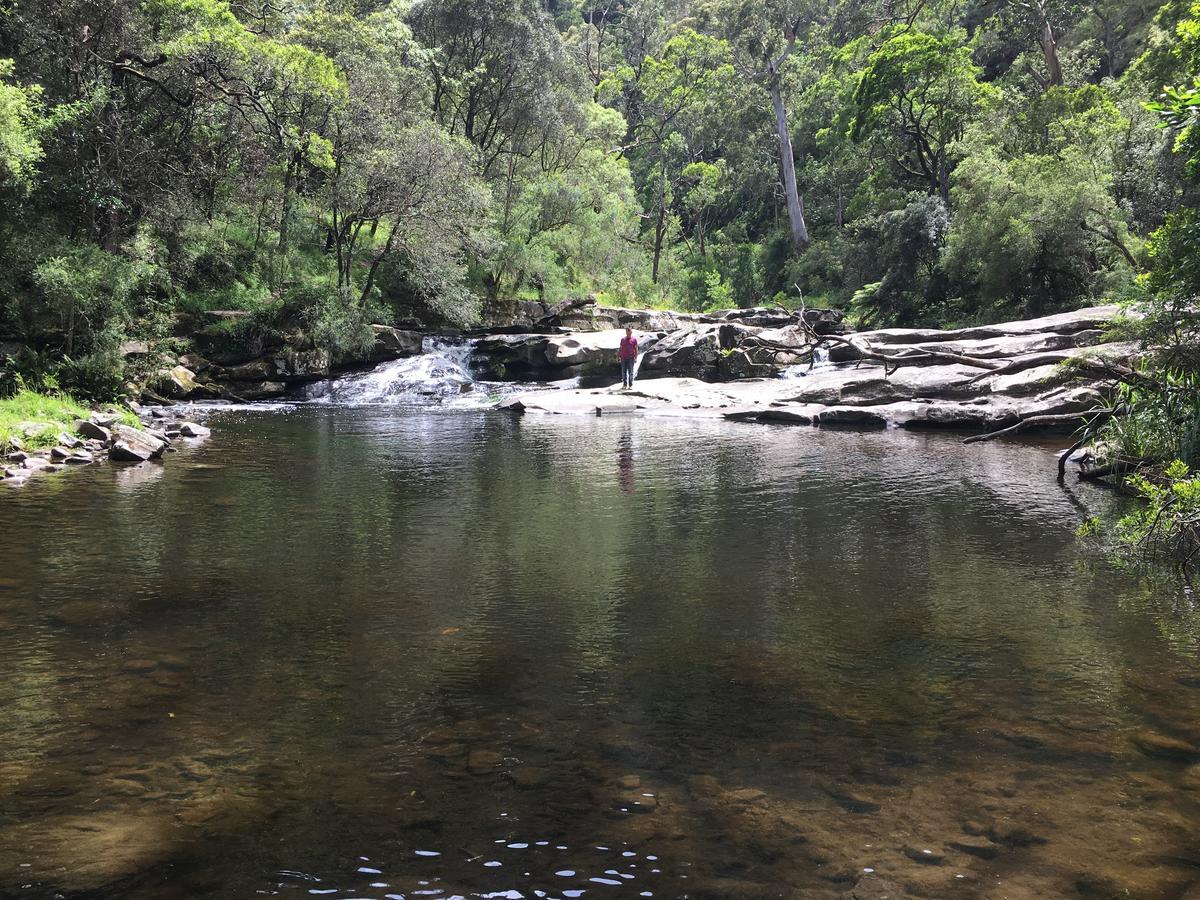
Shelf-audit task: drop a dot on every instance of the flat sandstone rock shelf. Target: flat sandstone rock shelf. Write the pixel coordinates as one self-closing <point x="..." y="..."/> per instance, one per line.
<point x="979" y="379"/>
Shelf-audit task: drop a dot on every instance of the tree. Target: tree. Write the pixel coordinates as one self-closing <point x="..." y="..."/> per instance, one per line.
<point x="917" y="95"/>
<point x="1036" y="231"/>
<point x="765" y="35"/>
<point x="690" y="75"/>
<point x="20" y="120"/>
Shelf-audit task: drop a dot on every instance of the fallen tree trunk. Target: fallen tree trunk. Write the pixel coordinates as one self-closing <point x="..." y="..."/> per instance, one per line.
<point x="1118" y="467"/>
<point x="910" y="358"/>
<point x="1035" y="421"/>
<point x="553" y="318"/>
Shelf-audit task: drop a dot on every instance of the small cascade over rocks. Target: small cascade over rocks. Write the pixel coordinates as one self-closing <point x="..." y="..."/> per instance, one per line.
<point x="820" y="363"/>
<point x="441" y="371"/>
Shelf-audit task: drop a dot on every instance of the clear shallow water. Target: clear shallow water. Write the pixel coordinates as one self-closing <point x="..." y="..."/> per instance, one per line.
<point x="430" y="653"/>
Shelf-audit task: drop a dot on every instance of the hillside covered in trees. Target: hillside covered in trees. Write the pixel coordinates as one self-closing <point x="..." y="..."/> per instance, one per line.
<point x="330" y="164"/>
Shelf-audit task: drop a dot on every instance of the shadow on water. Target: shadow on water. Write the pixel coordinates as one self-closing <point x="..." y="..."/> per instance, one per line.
<point x="381" y="652"/>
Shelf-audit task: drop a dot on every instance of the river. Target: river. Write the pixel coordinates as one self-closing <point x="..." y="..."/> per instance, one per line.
<point x="416" y="651"/>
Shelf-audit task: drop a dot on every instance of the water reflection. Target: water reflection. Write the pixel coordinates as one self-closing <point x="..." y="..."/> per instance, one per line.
<point x="359" y="650"/>
<point x="625" y="459"/>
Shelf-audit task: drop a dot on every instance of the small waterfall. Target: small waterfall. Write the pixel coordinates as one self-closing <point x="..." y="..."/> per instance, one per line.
<point x="820" y="361"/>
<point x="637" y="363"/>
<point x="441" y="371"/>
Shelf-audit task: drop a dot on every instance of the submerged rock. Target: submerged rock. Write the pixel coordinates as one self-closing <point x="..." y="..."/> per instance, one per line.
<point x="874" y="887"/>
<point x="1153" y="743"/>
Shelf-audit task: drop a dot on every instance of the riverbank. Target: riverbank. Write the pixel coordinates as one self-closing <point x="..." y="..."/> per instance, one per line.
<point x="42" y="434"/>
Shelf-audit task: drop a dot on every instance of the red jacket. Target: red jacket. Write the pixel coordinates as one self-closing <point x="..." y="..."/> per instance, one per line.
<point x="629" y="348"/>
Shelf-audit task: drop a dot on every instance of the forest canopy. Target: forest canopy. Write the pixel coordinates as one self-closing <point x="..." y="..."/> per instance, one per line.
<point x="917" y="162"/>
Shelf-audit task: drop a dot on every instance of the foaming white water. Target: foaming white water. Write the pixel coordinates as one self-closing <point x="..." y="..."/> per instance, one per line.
<point x="441" y="371"/>
<point x="820" y="362"/>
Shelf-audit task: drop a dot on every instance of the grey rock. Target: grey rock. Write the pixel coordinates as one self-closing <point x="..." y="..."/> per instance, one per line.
<point x="851" y="417"/>
<point x="926" y="856"/>
<point x="874" y="887"/>
<point x="194" y="361"/>
<point x="122" y="452"/>
<point x="142" y="442"/>
<point x="394" y="343"/>
<point x="192" y="430"/>
<point x="304" y="365"/>
<point x="92" y="431"/>
<point x="257" y="370"/>
<point x="79" y="458"/>
<point x="263" y="390"/>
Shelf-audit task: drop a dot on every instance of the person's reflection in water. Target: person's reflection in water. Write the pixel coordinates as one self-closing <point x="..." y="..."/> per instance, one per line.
<point x="625" y="460"/>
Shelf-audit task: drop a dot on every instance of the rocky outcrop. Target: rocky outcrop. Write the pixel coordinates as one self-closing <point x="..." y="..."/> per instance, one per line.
<point x="977" y="380"/>
<point x="705" y="346"/>
<point x="239" y="375"/>
<point x="393" y="343"/>
<point x="553" y="356"/>
<point x="102" y="436"/>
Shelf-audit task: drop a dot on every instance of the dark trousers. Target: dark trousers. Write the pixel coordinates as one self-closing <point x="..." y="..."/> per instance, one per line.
<point x="627" y="371"/>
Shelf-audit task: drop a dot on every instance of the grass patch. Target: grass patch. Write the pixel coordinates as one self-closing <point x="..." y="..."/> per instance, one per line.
<point x="35" y="419"/>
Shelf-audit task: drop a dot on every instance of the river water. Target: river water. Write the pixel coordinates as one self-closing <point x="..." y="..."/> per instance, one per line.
<point x="394" y="651"/>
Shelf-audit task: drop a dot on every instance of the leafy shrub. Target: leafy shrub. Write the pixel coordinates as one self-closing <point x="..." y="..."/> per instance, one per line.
<point x="1168" y="524"/>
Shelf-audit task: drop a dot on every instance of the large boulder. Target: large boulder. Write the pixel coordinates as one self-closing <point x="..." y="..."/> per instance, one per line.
<point x="595" y="350"/>
<point x="92" y="431"/>
<point x="302" y="365"/>
<point x="505" y="355"/>
<point x="746" y="363"/>
<point x="255" y="370"/>
<point x="175" y="383"/>
<point x="393" y="343"/>
<point x="695" y="350"/>
<point x="140" y="442"/>
<point x="260" y="390"/>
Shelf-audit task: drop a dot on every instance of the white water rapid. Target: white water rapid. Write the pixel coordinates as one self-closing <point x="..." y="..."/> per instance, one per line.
<point x="441" y="372"/>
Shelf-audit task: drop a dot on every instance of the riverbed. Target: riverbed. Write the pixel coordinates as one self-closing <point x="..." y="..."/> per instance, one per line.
<point x="386" y="651"/>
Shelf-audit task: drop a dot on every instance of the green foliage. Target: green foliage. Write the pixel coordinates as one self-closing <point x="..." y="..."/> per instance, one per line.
<point x="321" y="165"/>
<point x="337" y="320"/>
<point x="901" y="248"/>
<point x="1033" y="232"/>
<point x="1167" y="524"/>
<point x="33" y="419"/>
<point x="20" y="122"/>
<point x="917" y="94"/>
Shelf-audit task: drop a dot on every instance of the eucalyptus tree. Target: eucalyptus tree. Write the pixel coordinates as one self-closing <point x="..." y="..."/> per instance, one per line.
<point x="687" y="78"/>
<point x="764" y="36"/>
<point x="398" y="185"/>
<point x="916" y="96"/>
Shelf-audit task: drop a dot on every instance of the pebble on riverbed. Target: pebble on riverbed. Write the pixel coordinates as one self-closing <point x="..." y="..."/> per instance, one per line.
<point x="101" y="435"/>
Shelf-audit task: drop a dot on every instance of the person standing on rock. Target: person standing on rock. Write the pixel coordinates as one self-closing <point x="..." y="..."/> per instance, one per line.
<point x="628" y="354"/>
